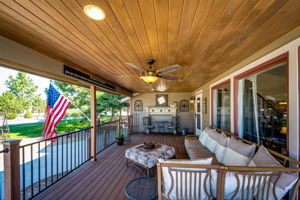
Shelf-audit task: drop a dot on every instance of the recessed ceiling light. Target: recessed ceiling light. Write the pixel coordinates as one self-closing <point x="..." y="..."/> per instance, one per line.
<point x="94" y="12"/>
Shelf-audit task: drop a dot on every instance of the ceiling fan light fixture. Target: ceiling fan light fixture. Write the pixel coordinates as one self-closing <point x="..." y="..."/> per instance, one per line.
<point x="94" y="12"/>
<point x="149" y="79"/>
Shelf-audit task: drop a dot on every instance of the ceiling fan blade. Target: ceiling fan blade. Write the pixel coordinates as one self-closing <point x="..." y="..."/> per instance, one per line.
<point x="127" y="75"/>
<point x="170" y="68"/>
<point x="136" y="67"/>
<point x="169" y="77"/>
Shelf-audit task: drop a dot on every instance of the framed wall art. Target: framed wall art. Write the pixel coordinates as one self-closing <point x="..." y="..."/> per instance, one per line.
<point x="138" y="105"/>
<point x="184" y="105"/>
<point x="162" y="100"/>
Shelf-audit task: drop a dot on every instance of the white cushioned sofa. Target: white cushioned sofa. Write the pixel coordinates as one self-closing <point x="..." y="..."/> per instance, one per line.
<point x="224" y="166"/>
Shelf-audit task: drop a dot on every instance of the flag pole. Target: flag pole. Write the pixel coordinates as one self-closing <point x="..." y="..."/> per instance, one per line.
<point x="52" y="82"/>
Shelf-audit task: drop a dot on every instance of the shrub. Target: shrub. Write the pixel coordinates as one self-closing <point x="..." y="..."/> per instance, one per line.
<point x="28" y="115"/>
<point x="11" y="115"/>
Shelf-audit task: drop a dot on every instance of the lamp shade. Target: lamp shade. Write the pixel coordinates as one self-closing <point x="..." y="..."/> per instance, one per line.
<point x="149" y="79"/>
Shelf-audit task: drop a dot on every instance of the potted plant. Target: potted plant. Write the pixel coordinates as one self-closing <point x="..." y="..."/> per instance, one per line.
<point x="120" y="138"/>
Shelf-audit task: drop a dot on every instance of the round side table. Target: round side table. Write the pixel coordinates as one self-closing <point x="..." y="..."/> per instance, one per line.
<point x="142" y="188"/>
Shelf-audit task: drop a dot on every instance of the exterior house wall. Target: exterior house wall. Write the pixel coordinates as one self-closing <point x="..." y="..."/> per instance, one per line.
<point x="289" y="43"/>
<point x="186" y="119"/>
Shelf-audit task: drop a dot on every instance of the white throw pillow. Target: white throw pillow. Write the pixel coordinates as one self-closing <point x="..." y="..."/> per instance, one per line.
<point x="186" y="182"/>
<point x="238" y="153"/>
<point x="221" y="147"/>
<point x="212" y="141"/>
<point x="286" y="181"/>
<point x="203" y="137"/>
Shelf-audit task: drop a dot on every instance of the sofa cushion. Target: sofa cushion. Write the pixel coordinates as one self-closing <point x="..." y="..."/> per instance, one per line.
<point x="193" y="184"/>
<point x="221" y="147"/>
<point x="195" y="150"/>
<point x="212" y="140"/>
<point x="203" y="137"/>
<point x="286" y="181"/>
<point x="238" y="153"/>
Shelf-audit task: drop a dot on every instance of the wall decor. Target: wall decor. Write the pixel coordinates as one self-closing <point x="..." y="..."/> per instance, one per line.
<point x="184" y="106"/>
<point x="138" y="105"/>
<point x="162" y="100"/>
<point x="204" y="105"/>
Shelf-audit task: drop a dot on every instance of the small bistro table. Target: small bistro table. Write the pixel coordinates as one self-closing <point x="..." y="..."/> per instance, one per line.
<point x="142" y="188"/>
<point x="147" y="158"/>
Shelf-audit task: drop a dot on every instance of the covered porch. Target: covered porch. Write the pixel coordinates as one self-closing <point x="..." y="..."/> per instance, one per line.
<point x="187" y="67"/>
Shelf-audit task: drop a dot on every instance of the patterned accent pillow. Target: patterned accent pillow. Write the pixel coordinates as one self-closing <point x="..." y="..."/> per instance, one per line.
<point x="238" y="153"/>
<point x="286" y="181"/>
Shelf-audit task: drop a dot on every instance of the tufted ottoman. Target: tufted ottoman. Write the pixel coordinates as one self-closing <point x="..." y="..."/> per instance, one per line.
<point x="147" y="158"/>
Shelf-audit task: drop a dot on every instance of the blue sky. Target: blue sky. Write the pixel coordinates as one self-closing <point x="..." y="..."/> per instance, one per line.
<point x="41" y="82"/>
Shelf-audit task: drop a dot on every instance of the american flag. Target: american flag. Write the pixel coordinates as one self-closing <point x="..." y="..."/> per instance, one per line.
<point x="57" y="106"/>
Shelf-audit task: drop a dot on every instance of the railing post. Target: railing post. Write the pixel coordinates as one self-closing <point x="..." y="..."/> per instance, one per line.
<point x="93" y="122"/>
<point x="129" y="124"/>
<point x="118" y="126"/>
<point x="12" y="169"/>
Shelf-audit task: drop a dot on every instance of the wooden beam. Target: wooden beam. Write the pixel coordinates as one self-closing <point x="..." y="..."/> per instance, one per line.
<point x="93" y="122"/>
<point x="12" y="169"/>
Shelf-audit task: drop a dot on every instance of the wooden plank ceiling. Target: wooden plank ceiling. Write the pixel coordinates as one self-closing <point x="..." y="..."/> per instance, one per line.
<point x="206" y="37"/>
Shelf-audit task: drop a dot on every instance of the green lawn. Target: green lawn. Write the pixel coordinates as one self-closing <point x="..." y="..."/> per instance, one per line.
<point x="35" y="129"/>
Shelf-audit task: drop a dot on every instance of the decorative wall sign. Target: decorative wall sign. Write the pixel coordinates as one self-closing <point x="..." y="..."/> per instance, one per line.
<point x="161" y="100"/>
<point x="204" y="105"/>
<point x="88" y="78"/>
<point x="138" y="105"/>
<point x="184" y="106"/>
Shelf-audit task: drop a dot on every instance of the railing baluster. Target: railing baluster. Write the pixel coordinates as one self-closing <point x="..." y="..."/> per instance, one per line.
<point x="31" y="169"/>
<point x="52" y="162"/>
<point x="62" y="156"/>
<point x="57" y="141"/>
<point x="39" y="165"/>
<point x="23" y="173"/>
<point x="67" y="154"/>
<point x="46" y="182"/>
<point x="81" y="141"/>
<point x="71" y="151"/>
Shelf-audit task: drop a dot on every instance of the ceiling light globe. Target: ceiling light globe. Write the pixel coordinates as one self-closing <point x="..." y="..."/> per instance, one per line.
<point x="94" y="12"/>
<point x="149" y="79"/>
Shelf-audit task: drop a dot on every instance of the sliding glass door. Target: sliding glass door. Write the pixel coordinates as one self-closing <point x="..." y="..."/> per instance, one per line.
<point x="262" y="107"/>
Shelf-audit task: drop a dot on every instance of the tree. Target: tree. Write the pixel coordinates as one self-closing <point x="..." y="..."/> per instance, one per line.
<point x="23" y="88"/>
<point x="9" y="103"/>
<point x="38" y="104"/>
<point x="80" y="96"/>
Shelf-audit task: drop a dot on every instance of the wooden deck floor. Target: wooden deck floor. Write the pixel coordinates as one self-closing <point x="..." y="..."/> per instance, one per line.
<point x="107" y="177"/>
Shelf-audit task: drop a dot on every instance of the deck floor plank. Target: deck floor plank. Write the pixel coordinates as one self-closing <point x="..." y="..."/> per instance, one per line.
<point x="107" y="177"/>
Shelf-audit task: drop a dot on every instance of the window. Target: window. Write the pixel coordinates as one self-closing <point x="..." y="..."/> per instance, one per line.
<point x="221" y="106"/>
<point x="262" y="104"/>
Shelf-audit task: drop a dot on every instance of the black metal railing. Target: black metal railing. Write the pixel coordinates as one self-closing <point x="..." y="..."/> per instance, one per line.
<point x="45" y="162"/>
<point x="106" y="133"/>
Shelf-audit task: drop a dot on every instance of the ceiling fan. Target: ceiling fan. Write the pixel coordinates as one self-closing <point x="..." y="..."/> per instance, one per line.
<point x="151" y="75"/>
